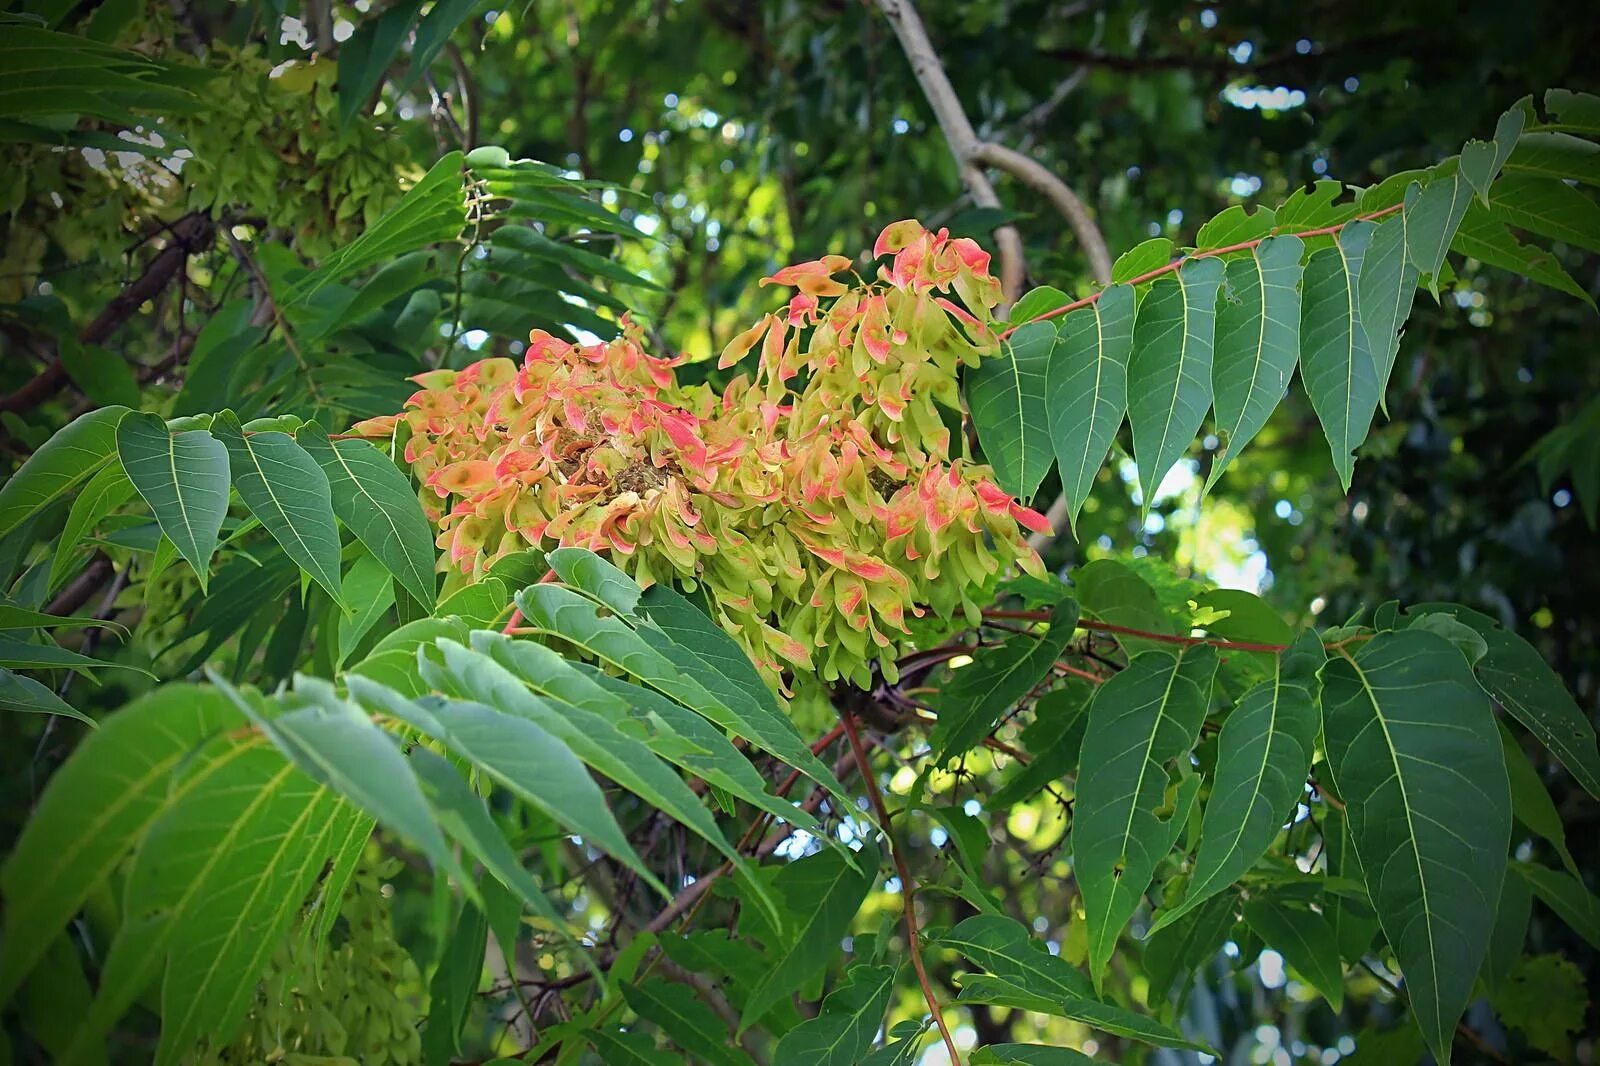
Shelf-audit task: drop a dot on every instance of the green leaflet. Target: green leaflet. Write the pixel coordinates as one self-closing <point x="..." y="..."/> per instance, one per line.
<point x="622" y="1048"/>
<point x="1235" y="225"/>
<point x="1263" y="756"/>
<point x="287" y="491"/>
<point x="75" y="454"/>
<point x="366" y="57"/>
<point x="337" y="744"/>
<point x="1385" y="292"/>
<point x="24" y="694"/>
<point x="1169" y="372"/>
<point x="455" y="983"/>
<point x="369" y="588"/>
<point x="843" y="1032"/>
<point x="225" y="937"/>
<point x="1258" y="343"/>
<point x="523" y="757"/>
<point x="623" y="758"/>
<point x="1119" y="1021"/>
<point x="1567" y="896"/>
<point x="94" y="810"/>
<point x="1492" y="242"/>
<point x="1004" y="948"/>
<point x="1557" y="155"/>
<point x="1306" y="941"/>
<point x="972" y="702"/>
<point x="1086" y="390"/>
<point x="1549" y="207"/>
<point x="823" y="893"/>
<point x="687" y="673"/>
<point x="184" y="479"/>
<point x="1141" y="259"/>
<point x="1530" y="800"/>
<point x="376" y="501"/>
<point x="1028" y="1054"/>
<point x="1141" y="722"/>
<point x="1335" y="362"/>
<point x="1519" y="679"/>
<point x="1432" y="224"/>
<point x="1006" y="395"/>
<point x="1111" y="592"/>
<point x="105" y="492"/>
<point x="1036" y="302"/>
<point x="1510" y="929"/>
<point x="668" y="728"/>
<point x="1414" y="753"/>
<point x="247" y="831"/>
<point x="677" y="1011"/>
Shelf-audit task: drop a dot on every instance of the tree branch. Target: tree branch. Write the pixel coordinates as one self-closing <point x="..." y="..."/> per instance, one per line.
<point x="908" y="887"/>
<point x="190" y="234"/>
<point x="1039" y="178"/>
<point x="958" y="133"/>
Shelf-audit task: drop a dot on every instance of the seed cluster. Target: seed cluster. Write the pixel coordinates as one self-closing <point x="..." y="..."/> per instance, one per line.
<point x="816" y="499"/>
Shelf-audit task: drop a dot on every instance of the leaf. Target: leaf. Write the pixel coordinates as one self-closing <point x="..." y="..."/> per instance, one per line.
<point x="1547" y="206"/>
<point x="94" y="809"/>
<point x="1547" y="999"/>
<point x="1119" y="1021"/>
<point x="1530" y="800"/>
<point x="288" y="492"/>
<point x="1305" y="940"/>
<point x="1006" y="396"/>
<point x="678" y="1012"/>
<point x="676" y="663"/>
<point x="184" y="479"/>
<point x="622" y="758"/>
<point x="105" y="377"/>
<point x="1180" y="950"/>
<point x="1557" y="155"/>
<point x="105" y="492"/>
<point x="1493" y="243"/>
<point x="975" y="697"/>
<point x="370" y="588"/>
<point x="1413" y="750"/>
<point x="1169" y="372"/>
<point x="1258" y="342"/>
<point x="621" y="1048"/>
<point x="522" y="757"/>
<point x="337" y="744"/>
<point x="1029" y="1054"/>
<point x="376" y="501"/>
<point x="1141" y="721"/>
<point x="1385" y="292"/>
<point x="433" y="31"/>
<point x="366" y="57"/>
<point x="1510" y="929"/>
<point x="843" y="1032"/>
<point x="1004" y="948"/>
<point x="75" y="454"/>
<point x="1235" y="225"/>
<point x="1036" y="302"/>
<point x="1432" y="224"/>
<point x="1567" y="896"/>
<point x="1113" y="593"/>
<point x="1335" y="363"/>
<point x="1086" y="390"/>
<point x="24" y="694"/>
<point x="823" y="892"/>
<point x="1141" y="259"/>
<point x="1263" y="756"/>
<point x="454" y="985"/>
<point x="1520" y="680"/>
<point x="22" y="654"/>
<point x="241" y="898"/>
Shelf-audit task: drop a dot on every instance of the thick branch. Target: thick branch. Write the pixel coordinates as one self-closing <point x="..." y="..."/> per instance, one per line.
<point x="958" y="133"/>
<point x="189" y="235"/>
<point x="1039" y="178"/>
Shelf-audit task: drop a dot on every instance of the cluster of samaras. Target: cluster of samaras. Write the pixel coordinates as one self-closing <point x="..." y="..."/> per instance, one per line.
<point x="817" y="501"/>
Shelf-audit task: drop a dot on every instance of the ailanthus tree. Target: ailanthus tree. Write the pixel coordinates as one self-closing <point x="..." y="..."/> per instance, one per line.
<point x="460" y="607"/>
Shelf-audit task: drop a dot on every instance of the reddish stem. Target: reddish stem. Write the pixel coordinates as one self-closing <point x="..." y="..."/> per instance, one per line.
<point x="908" y="890"/>
<point x="1169" y="268"/>
<point x="1166" y="638"/>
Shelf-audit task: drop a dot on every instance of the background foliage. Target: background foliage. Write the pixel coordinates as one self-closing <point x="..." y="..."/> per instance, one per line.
<point x="252" y="223"/>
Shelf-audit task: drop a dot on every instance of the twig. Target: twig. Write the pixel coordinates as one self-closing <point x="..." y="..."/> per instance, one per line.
<point x="1039" y="178"/>
<point x="1166" y="638"/>
<point x="908" y="887"/>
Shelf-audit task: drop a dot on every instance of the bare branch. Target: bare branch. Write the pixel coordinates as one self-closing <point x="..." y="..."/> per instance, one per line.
<point x="1039" y="178"/>
<point x="958" y="133"/>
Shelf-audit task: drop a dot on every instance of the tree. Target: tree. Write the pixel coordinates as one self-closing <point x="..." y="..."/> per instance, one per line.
<point x="853" y="687"/>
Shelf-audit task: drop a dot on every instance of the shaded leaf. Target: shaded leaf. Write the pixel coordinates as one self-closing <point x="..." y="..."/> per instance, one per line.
<point x="1086" y="390"/>
<point x="1006" y="396"/>
<point x="1336" y="365"/>
<point x="184" y="479"/>
<point x="65" y="461"/>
